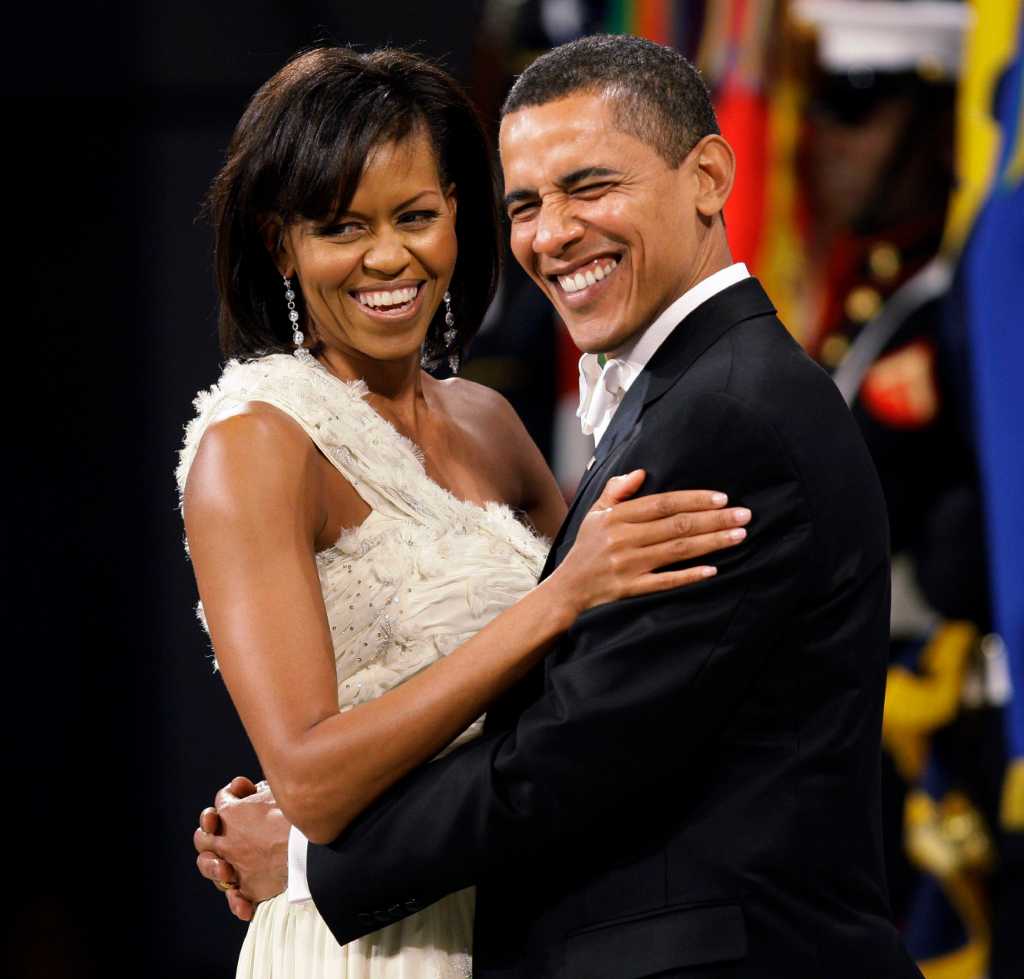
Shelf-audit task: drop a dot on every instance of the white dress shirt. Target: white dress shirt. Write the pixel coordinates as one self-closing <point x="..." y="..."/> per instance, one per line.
<point x="602" y="389"/>
<point x="601" y="392"/>
<point x="298" y="884"/>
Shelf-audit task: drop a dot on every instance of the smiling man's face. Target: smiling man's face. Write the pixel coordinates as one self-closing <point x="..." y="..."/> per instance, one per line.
<point x="599" y="220"/>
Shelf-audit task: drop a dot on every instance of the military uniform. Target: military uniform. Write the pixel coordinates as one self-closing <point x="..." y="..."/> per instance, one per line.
<point x="943" y="726"/>
<point x="890" y="331"/>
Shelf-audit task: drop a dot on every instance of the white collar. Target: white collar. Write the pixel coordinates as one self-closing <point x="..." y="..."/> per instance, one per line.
<point x="634" y="356"/>
<point x="638" y="351"/>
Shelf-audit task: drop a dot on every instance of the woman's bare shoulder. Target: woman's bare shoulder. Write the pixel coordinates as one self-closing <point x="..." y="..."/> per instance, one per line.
<point x="497" y="428"/>
<point x="255" y="450"/>
<point x="478" y="405"/>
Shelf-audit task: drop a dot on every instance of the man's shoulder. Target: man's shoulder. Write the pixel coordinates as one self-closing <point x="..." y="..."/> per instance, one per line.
<point x="760" y="367"/>
<point x="757" y="389"/>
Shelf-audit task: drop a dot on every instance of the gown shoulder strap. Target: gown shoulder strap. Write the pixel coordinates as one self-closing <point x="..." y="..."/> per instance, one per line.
<point x="375" y="459"/>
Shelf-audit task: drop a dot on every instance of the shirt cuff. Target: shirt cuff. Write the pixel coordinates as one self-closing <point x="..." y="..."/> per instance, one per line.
<point x="298" y="885"/>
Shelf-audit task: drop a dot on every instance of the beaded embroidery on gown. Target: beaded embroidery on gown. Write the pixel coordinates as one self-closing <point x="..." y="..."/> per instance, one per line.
<point x="422" y="574"/>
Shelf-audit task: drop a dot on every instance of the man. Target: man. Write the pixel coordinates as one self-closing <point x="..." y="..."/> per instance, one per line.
<point x="689" y="785"/>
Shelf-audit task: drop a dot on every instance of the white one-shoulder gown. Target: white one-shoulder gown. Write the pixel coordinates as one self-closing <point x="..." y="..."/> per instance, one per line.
<point x="422" y="574"/>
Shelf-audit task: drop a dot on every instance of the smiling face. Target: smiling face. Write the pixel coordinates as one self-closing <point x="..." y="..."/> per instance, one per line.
<point x="373" y="279"/>
<point x="608" y="230"/>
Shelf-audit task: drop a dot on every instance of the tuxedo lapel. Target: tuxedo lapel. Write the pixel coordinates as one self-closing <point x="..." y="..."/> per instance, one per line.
<point x="681" y="349"/>
<point x="702" y="328"/>
<point x="622" y="427"/>
<point x="586" y="495"/>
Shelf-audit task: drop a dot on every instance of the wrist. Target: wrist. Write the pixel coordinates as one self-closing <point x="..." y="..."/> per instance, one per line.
<point x="279" y="848"/>
<point x="561" y="605"/>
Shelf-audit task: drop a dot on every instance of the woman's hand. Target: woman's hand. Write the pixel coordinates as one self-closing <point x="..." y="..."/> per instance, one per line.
<point x="622" y="541"/>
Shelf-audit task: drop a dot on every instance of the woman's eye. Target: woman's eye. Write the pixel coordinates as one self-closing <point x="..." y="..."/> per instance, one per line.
<point x="418" y="217"/>
<point x="346" y="229"/>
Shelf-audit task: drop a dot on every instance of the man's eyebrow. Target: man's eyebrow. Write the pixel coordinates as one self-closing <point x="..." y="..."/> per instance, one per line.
<point x="563" y="182"/>
<point x="515" y="196"/>
<point x="585" y="173"/>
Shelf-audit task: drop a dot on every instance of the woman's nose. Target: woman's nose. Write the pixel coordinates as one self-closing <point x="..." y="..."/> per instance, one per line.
<point x="387" y="254"/>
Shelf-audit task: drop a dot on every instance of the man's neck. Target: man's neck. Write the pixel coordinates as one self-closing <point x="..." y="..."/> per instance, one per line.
<point x="640" y="347"/>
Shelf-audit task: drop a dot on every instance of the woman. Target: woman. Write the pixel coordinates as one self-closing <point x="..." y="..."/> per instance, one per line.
<point x="365" y="579"/>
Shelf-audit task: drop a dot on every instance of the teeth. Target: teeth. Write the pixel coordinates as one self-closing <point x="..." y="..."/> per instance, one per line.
<point x="580" y="280"/>
<point x="395" y="297"/>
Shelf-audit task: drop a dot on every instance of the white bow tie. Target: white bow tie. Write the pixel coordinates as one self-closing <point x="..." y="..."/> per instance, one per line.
<point x="601" y="391"/>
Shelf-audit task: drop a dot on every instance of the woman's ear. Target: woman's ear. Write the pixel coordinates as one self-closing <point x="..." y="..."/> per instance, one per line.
<point x="452" y="200"/>
<point x="278" y="245"/>
<point x="715" y="165"/>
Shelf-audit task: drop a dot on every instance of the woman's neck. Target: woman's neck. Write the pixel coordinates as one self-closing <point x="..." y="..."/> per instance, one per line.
<point x="397" y="383"/>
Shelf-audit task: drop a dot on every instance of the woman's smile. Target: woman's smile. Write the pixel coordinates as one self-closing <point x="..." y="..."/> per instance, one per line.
<point x="391" y="301"/>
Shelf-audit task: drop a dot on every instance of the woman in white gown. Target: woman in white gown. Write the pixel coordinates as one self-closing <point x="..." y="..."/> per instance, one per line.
<point x="367" y="539"/>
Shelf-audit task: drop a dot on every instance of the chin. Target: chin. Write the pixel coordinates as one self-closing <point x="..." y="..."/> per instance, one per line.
<point x="399" y="356"/>
<point x="391" y="348"/>
<point x="591" y="338"/>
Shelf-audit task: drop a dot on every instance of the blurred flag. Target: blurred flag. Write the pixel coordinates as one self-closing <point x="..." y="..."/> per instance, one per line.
<point x="748" y="57"/>
<point x="732" y="57"/>
<point x="987" y="221"/>
<point x="676" y="23"/>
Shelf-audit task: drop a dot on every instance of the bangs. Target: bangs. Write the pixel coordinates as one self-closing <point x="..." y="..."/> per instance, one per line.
<point x="331" y="157"/>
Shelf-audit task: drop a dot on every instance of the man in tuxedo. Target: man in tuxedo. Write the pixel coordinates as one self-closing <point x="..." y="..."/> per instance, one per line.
<point x="689" y="785"/>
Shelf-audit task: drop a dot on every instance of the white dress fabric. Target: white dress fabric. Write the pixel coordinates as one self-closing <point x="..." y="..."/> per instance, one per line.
<point x="422" y="574"/>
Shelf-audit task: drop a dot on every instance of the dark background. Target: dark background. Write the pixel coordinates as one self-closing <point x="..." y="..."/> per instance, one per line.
<point x="117" y="732"/>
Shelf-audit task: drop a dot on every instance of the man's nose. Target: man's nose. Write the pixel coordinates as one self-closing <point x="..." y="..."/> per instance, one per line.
<point x="556" y="230"/>
<point x="388" y="254"/>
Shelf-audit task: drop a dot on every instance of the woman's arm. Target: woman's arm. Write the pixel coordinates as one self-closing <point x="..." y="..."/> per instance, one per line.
<point x="254" y="504"/>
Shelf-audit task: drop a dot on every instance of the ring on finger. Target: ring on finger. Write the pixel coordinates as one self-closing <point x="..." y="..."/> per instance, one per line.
<point x="224" y="886"/>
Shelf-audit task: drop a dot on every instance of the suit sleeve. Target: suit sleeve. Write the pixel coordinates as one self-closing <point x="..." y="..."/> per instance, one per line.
<point x="666" y="669"/>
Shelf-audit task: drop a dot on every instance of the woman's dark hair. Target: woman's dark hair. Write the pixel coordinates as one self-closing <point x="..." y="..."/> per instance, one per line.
<point x="298" y="152"/>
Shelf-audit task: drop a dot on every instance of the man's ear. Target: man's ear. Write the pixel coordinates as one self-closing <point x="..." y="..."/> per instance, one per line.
<point x="715" y="169"/>
<point x="278" y="245"/>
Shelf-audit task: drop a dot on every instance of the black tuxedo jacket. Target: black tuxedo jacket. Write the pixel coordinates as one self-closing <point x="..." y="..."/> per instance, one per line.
<point x="689" y="785"/>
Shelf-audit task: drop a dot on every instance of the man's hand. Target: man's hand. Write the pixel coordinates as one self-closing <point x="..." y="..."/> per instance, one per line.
<point x="243" y="846"/>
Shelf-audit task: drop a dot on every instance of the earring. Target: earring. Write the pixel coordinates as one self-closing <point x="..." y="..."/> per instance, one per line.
<point x="450" y="334"/>
<point x="293" y="315"/>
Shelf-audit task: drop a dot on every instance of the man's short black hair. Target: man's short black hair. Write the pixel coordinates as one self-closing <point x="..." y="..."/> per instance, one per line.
<point x="656" y="94"/>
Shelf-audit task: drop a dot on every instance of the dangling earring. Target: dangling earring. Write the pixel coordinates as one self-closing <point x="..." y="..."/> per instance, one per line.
<point x="450" y="333"/>
<point x="293" y="315"/>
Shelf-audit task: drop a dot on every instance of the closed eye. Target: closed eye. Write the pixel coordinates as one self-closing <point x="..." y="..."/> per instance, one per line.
<point x="590" y="191"/>
<point x="523" y="211"/>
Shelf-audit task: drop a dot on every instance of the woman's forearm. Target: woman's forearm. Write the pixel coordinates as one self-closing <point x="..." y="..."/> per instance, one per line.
<point x="327" y="775"/>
